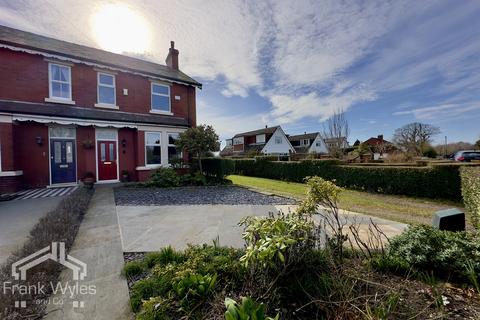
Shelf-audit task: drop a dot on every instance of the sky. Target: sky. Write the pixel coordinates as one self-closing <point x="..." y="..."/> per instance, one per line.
<point x="294" y="63"/>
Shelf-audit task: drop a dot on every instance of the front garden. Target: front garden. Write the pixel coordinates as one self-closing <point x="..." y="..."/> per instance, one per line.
<point x="293" y="268"/>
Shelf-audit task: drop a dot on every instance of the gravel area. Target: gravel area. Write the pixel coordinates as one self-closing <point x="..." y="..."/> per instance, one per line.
<point x="226" y="195"/>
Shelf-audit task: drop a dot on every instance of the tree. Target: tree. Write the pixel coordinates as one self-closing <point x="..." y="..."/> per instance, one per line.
<point x="336" y="133"/>
<point x="477" y="144"/>
<point x="198" y="141"/>
<point x="415" y="137"/>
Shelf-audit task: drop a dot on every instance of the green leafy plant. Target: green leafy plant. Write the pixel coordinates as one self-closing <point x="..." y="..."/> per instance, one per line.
<point x="164" y="178"/>
<point x="164" y="256"/>
<point x="195" y="288"/>
<point x="155" y="308"/>
<point x="248" y="309"/>
<point x="133" y="268"/>
<point x="444" y="252"/>
<point x="269" y="240"/>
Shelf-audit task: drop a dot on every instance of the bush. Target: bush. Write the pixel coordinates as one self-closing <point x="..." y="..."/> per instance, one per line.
<point x="165" y="256"/>
<point x="445" y="253"/>
<point x="248" y="309"/>
<point x="439" y="181"/>
<point x="133" y="268"/>
<point x="471" y="193"/>
<point x="164" y="178"/>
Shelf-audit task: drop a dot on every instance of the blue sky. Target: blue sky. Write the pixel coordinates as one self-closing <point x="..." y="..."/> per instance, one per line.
<point x="386" y="63"/>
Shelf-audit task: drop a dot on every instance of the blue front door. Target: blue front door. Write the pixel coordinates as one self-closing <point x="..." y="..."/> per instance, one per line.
<point x="62" y="160"/>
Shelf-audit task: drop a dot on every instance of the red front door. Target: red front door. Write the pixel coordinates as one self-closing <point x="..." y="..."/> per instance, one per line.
<point x="107" y="160"/>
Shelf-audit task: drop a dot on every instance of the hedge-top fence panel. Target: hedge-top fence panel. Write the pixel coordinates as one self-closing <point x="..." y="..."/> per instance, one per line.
<point x="442" y="181"/>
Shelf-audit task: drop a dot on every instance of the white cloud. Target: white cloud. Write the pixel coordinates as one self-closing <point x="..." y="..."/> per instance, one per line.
<point x="440" y="111"/>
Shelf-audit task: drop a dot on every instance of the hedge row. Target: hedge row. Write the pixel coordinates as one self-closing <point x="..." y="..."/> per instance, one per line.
<point x="471" y="193"/>
<point x="429" y="182"/>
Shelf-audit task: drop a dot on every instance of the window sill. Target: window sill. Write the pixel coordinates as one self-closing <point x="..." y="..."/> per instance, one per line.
<point x="149" y="167"/>
<point x="167" y="113"/>
<point x="62" y="101"/>
<point x="106" y="106"/>
<point x="11" y="173"/>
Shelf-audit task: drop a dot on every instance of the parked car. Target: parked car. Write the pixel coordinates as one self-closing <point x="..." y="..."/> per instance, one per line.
<point x="467" y="155"/>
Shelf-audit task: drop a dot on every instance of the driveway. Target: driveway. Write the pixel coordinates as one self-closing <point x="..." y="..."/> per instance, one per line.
<point x="17" y="218"/>
<point x="150" y="219"/>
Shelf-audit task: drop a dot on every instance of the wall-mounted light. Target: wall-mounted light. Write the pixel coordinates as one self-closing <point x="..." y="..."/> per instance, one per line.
<point x="39" y="140"/>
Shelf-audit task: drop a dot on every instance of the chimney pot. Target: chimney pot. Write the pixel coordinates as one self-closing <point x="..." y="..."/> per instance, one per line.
<point x="266" y="126"/>
<point x="380" y="137"/>
<point x="172" y="44"/>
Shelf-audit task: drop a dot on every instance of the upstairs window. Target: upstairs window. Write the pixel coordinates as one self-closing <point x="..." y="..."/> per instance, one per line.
<point x="153" y="153"/>
<point x="160" y="98"/>
<point x="238" y="140"/>
<point x="229" y="142"/>
<point x="278" y="140"/>
<point x="60" y="81"/>
<point x="106" y="89"/>
<point x="305" y="142"/>
<point x="260" y="138"/>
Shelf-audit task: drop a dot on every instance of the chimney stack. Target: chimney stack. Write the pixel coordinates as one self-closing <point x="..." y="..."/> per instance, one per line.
<point x="380" y="137"/>
<point x="172" y="58"/>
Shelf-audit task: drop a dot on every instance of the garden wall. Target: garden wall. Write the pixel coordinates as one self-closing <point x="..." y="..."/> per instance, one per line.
<point x="439" y="181"/>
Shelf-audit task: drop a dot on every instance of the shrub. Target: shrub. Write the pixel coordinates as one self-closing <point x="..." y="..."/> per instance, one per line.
<point x="163" y="257"/>
<point x="147" y="288"/>
<point x="164" y="178"/>
<point x="248" y="309"/>
<point x="471" y="193"/>
<point x="438" y="181"/>
<point x="446" y="253"/>
<point x="194" y="288"/>
<point x="133" y="268"/>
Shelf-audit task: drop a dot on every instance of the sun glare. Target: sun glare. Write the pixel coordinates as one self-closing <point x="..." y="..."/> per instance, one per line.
<point x="118" y="28"/>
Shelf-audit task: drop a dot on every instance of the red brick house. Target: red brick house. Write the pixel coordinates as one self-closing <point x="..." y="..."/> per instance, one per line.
<point x="68" y="109"/>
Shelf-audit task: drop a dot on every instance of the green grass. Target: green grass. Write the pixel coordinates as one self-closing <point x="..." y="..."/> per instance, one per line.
<point x="398" y="208"/>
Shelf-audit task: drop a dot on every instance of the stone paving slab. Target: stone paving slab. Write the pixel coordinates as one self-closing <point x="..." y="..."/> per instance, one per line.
<point x="149" y="228"/>
<point x="98" y="245"/>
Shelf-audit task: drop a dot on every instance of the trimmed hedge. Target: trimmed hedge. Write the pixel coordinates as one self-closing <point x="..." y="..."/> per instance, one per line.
<point x="441" y="181"/>
<point x="471" y="193"/>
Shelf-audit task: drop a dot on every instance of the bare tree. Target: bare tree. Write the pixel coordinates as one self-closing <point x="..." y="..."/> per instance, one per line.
<point x="415" y="137"/>
<point x="336" y="133"/>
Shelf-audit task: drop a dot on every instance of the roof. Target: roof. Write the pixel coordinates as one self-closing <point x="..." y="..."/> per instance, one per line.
<point x="32" y="41"/>
<point x="375" y="141"/>
<point x="267" y="130"/>
<point x="55" y="110"/>
<point x="298" y="137"/>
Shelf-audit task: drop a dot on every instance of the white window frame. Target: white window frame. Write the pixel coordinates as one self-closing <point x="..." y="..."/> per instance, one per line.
<point x="169" y="112"/>
<point x="180" y="154"/>
<point x="237" y="139"/>
<point x="153" y="145"/>
<point x="229" y="144"/>
<point x="302" y="142"/>
<point x="51" y="98"/>
<point x="278" y="140"/>
<point x="262" y="136"/>
<point x="114" y="86"/>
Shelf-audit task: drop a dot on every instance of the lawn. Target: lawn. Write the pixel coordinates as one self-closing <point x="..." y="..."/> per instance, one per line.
<point x="398" y="208"/>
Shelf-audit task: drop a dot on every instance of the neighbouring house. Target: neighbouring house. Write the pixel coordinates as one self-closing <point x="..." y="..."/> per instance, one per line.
<point x="333" y="143"/>
<point x="267" y="141"/>
<point x="308" y="143"/>
<point x="378" y="147"/>
<point x="67" y="110"/>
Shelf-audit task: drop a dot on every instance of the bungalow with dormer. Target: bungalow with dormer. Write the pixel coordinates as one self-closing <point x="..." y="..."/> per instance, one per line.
<point x="308" y="143"/>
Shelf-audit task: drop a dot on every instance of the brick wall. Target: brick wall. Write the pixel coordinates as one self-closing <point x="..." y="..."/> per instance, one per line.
<point x="25" y="78"/>
<point x="6" y="145"/>
<point x="10" y="184"/>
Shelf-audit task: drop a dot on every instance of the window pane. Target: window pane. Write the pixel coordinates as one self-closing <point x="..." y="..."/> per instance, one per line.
<point x="153" y="155"/>
<point x="56" y="89"/>
<point x="160" y="103"/>
<point x="65" y="91"/>
<point x="173" y="154"/>
<point x="102" y="151"/>
<point x="106" y="79"/>
<point x="112" y="155"/>
<point x="172" y="138"/>
<point x="55" y="72"/>
<point x="160" y="89"/>
<point x="64" y="74"/>
<point x="106" y="95"/>
<point x="58" y="152"/>
<point x="69" y="152"/>
<point x="152" y="138"/>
